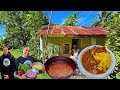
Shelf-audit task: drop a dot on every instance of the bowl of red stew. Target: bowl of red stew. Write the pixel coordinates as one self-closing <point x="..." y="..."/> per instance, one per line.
<point x="60" y="67"/>
<point x="96" y="61"/>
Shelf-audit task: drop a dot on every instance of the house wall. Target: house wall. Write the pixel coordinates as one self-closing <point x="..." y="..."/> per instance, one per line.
<point x="85" y="42"/>
<point x="93" y="41"/>
<point x="100" y="41"/>
<point x="60" y="41"/>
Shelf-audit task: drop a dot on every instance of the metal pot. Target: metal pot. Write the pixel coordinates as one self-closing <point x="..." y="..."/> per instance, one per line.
<point x="60" y="59"/>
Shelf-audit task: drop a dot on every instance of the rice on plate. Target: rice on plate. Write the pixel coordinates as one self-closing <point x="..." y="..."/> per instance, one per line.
<point x="96" y="61"/>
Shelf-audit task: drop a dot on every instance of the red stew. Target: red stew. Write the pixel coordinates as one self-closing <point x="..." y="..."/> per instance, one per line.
<point x="59" y="70"/>
<point x="89" y="63"/>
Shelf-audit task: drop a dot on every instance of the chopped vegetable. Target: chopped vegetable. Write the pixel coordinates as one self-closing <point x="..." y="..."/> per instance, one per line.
<point x="20" y="72"/>
<point x="23" y="67"/>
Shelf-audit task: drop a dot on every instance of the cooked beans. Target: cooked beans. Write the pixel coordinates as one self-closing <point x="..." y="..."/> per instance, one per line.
<point x="59" y="70"/>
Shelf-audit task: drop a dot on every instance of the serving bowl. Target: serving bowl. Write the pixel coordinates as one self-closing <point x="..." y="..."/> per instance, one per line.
<point x="31" y="74"/>
<point x="57" y="65"/>
<point x="38" y="65"/>
<point x="94" y="75"/>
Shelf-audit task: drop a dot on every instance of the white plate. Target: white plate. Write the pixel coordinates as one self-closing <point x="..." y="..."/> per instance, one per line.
<point x="92" y="76"/>
<point x="34" y="70"/>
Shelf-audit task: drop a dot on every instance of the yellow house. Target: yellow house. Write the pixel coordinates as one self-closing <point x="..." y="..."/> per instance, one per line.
<point x="66" y="36"/>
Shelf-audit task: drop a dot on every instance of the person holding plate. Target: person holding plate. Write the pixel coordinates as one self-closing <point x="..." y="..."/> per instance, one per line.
<point x="7" y="64"/>
<point x="24" y="59"/>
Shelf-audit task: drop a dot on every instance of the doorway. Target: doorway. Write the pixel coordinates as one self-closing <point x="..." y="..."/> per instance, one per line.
<point x="76" y="42"/>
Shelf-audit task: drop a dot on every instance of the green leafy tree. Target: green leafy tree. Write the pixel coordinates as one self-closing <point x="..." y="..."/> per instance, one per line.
<point x="103" y="17"/>
<point x="111" y="21"/>
<point x="20" y="24"/>
<point x="113" y="38"/>
<point x="72" y="20"/>
<point x="1" y="42"/>
<point x="113" y="32"/>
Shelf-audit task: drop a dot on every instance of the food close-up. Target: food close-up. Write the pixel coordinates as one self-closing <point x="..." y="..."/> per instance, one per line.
<point x="59" y="44"/>
<point x="96" y="61"/>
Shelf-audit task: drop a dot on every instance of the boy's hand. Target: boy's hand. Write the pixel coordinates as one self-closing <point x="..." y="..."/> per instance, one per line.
<point x="23" y="76"/>
<point x="6" y="76"/>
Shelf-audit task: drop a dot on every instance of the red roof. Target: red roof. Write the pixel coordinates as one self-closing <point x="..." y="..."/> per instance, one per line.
<point x="73" y="30"/>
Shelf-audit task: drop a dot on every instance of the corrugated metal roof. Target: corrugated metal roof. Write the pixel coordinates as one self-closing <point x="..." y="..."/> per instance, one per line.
<point x="73" y="30"/>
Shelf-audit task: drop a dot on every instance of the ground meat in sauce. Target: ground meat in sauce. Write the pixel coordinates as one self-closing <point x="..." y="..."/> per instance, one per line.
<point x="60" y="70"/>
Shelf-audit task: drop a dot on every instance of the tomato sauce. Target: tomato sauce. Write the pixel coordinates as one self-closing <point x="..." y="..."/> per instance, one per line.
<point x="59" y="70"/>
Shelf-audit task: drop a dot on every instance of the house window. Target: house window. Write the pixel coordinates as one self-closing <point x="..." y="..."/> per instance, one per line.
<point x="66" y="49"/>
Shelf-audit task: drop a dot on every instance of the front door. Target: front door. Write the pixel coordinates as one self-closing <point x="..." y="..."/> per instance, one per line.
<point x="76" y="42"/>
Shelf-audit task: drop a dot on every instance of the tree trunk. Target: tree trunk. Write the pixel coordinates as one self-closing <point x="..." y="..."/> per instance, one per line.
<point x="24" y="43"/>
<point x="13" y="44"/>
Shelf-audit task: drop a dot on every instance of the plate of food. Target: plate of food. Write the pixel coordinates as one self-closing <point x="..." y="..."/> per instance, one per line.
<point x="31" y="74"/>
<point x="38" y="66"/>
<point x="96" y="61"/>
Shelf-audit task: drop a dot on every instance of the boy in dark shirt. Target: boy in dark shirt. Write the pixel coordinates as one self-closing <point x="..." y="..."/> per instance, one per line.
<point x="7" y="64"/>
<point x="24" y="59"/>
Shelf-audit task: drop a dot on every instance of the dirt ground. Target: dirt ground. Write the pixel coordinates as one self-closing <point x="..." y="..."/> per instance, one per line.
<point x="78" y="76"/>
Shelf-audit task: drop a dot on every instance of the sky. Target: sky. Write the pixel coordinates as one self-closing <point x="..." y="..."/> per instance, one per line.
<point x="58" y="17"/>
<point x="86" y="17"/>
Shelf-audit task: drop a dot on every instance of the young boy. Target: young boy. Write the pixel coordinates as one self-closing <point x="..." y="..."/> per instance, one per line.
<point x="24" y="59"/>
<point x="7" y="64"/>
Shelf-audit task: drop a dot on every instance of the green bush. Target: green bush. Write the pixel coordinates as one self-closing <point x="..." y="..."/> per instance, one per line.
<point x="115" y="74"/>
<point x="117" y="56"/>
<point x="52" y="50"/>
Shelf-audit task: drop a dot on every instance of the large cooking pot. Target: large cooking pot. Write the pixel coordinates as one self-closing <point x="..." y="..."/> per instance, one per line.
<point x="55" y="62"/>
